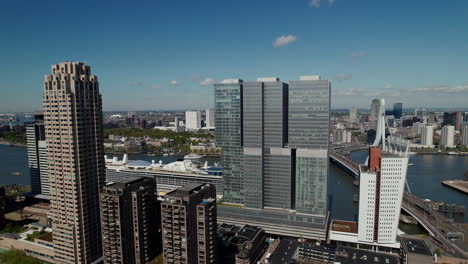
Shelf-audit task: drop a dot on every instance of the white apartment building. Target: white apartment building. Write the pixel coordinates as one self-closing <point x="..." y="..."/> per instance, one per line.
<point x="380" y="195"/>
<point x="192" y="120"/>
<point x="210" y="120"/>
<point x="427" y="137"/>
<point x="352" y="114"/>
<point x="447" y="138"/>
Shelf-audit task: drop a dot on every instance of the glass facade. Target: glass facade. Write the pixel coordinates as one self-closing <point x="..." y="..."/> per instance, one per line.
<point x="309" y="115"/>
<point x="228" y="123"/>
<point x="397" y="110"/>
<point x="275" y="156"/>
<point x="277" y="182"/>
<point x="253" y="144"/>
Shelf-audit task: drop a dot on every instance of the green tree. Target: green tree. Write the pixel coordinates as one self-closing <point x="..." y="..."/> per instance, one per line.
<point x="15" y="256"/>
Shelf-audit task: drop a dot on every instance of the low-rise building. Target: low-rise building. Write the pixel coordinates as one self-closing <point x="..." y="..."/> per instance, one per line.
<point x="241" y="244"/>
<point x="40" y="247"/>
<point x="308" y="252"/>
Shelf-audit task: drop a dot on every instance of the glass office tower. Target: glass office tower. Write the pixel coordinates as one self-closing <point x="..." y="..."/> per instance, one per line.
<point x="397" y="110"/>
<point x="309" y="117"/>
<point x="228" y="123"/>
<point x="283" y="159"/>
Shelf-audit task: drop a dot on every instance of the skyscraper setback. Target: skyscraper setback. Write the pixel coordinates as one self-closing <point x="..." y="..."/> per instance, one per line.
<point x="274" y="137"/>
<point x="73" y="125"/>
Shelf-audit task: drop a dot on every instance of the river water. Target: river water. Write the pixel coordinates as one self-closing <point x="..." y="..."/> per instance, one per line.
<point x="424" y="178"/>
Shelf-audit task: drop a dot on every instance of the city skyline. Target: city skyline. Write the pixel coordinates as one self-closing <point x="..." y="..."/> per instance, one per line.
<point x="150" y="53"/>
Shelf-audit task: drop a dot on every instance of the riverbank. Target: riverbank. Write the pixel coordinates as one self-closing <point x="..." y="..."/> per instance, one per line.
<point x="7" y="143"/>
<point x="436" y="152"/>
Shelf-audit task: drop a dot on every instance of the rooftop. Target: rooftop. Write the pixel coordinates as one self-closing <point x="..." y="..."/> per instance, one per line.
<point x="246" y="233"/>
<point x="122" y="183"/>
<point x="345" y="255"/>
<point x="187" y="189"/>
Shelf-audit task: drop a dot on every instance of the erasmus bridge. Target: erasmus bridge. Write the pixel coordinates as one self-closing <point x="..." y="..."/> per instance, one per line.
<point x="442" y="231"/>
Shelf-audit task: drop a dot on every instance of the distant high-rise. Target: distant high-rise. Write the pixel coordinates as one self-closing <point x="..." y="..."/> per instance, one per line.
<point x="449" y="119"/>
<point x="353" y="114"/>
<point x="448" y="137"/>
<point x="458" y="120"/>
<point x="464" y="135"/>
<point x="427" y="137"/>
<point x="192" y="120"/>
<point x="210" y="119"/>
<point x="37" y="155"/>
<point x="275" y="139"/>
<point x="374" y="113"/>
<point x="381" y="187"/>
<point x="189" y="225"/>
<point x="397" y="110"/>
<point x="74" y="134"/>
<point x="420" y="113"/>
<point x="130" y="221"/>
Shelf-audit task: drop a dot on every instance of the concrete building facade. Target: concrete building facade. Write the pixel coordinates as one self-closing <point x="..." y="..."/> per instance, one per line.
<point x="447" y="138"/>
<point x="189" y="225"/>
<point x="210" y="119"/>
<point x="380" y="195"/>
<point x="192" y="120"/>
<point x="353" y="114"/>
<point x="74" y="134"/>
<point x="130" y="221"/>
<point x="427" y="137"/>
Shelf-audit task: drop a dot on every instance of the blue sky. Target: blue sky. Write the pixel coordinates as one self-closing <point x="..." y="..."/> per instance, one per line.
<point x="165" y="54"/>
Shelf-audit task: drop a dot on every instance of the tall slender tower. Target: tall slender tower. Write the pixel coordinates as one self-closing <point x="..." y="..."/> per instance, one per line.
<point x="73" y="124"/>
<point x="374" y="113"/>
<point x="37" y="155"/>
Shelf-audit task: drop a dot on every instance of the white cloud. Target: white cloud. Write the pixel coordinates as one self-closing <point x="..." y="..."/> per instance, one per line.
<point x="331" y="2"/>
<point x="344" y="77"/>
<point x="284" y="40"/>
<point x="358" y="54"/>
<point x="388" y="86"/>
<point x="136" y="84"/>
<point x="174" y="83"/>
<point x="196" y="77"/>
<point x="351" y="92"/>
<point x="314" y="3"/>
<point x="207" y="82"/>
<point x="444" y="89"/>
